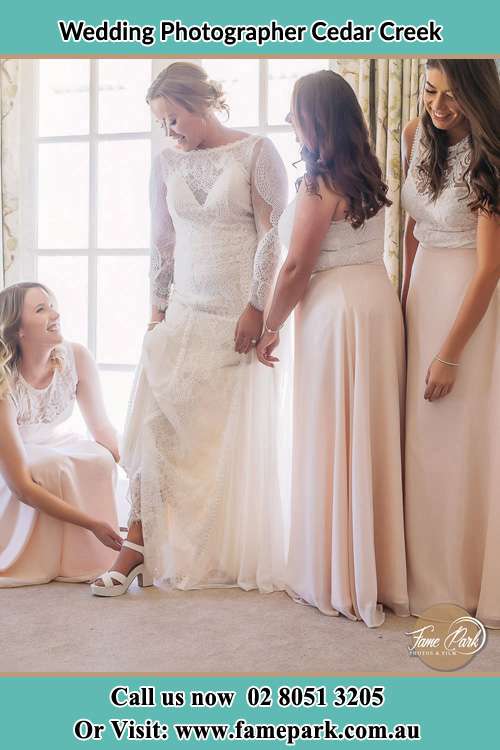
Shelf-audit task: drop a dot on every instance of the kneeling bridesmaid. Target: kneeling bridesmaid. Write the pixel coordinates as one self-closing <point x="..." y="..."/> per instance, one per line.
<point x="57" y="490"/>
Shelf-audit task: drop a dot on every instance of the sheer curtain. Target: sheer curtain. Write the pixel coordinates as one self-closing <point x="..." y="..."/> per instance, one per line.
<point x="9" y="169"/>
<point x="389" y="92"/>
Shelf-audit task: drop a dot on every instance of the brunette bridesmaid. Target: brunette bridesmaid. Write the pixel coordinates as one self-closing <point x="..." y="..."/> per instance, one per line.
<point x="452" y="268"/>
<point x="347" y="550"/>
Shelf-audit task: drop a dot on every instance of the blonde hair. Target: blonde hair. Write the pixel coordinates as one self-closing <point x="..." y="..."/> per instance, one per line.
<point x="11" y="309"/>
<point x="188" y="85"/>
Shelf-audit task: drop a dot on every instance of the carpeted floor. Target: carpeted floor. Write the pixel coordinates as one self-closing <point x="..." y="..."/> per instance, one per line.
<point x="62" y="628"/>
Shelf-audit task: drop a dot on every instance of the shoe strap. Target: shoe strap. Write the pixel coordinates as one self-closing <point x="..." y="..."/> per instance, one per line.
<point x="133" y="545"/>
<point x="112" y="575"/>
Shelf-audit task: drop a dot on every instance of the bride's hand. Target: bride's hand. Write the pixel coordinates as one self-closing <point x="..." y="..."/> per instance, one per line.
<point x="248" y="329"/>
<point x="157" y="316"/>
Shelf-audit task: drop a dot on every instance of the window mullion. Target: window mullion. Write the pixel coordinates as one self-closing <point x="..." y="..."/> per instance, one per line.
<point x="28" y="200"/>
<point x="93" y="166"/>
<point x="263" y="95"/>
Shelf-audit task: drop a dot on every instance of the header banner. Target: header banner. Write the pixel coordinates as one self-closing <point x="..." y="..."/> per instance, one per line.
<point x="323" y="28"/>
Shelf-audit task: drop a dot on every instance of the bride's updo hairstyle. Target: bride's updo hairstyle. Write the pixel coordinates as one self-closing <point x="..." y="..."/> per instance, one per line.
<point x="11" y="310"/>
<point x="188" y="85"/>
<point x="337" y="145"/>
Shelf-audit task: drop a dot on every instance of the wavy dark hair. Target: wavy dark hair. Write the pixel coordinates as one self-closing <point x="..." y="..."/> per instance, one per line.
<point x="475" y="84"/>
<point x="329" y="116"/>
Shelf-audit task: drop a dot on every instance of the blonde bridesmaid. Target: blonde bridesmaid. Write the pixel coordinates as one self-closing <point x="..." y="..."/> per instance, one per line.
<point x="347" y="550"/>
<point x="57" y="489"/>
<point x="452" y="268"/>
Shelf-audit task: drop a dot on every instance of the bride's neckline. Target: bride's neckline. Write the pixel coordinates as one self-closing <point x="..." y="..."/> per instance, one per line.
<point x="211" y="149"/>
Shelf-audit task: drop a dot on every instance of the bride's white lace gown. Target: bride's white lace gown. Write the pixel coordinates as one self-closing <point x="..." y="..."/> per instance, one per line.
<point x="200" y="440"/>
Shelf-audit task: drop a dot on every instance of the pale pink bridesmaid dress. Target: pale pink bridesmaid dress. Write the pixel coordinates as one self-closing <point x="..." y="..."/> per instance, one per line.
<point x="452" y="454"/>
<point x="347" y="552"/>
<point x="34" y="547"/>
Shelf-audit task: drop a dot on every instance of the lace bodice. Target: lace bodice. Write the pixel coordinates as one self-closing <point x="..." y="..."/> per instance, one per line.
<point x="219" y="208"/>
<point x="447" y="221"/>
<point x="51" y="405"/>
<point x="343" y="245"/>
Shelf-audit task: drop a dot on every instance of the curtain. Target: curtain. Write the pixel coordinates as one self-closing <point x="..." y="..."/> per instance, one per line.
<point x="389" y="92"/>
<point x="9" y="169"/>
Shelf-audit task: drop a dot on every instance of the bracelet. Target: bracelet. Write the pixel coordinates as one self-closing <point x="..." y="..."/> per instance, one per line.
<point x="453" y="364"/>
<point x="269" y="330"/>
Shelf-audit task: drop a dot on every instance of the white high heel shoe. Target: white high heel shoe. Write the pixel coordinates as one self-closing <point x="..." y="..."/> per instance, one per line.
<point x="138" y="571"/>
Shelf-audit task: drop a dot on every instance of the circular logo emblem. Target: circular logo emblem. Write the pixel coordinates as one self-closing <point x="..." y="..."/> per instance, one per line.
<point x="446" y="637"/>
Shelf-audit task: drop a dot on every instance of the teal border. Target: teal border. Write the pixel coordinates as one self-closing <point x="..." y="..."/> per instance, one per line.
<point x="31" y="29"/>
<point x="458" y="713"/>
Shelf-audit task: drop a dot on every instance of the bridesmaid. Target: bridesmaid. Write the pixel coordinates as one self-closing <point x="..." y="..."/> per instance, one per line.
<point x="57" y="501"/>
<point x="347" y="545"/>
<point x="452" y="267"/>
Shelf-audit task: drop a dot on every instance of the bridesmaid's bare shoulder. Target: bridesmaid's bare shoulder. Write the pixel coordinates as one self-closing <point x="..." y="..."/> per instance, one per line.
<point x="7" y="412"/>
<point x="331" y="201"/>
<point x="409" y="131"/>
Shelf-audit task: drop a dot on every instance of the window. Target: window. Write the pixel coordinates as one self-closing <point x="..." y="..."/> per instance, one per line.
<point x="88" y="140"/>
<point x="259" y="93"/>
<point x="87" y="144"/>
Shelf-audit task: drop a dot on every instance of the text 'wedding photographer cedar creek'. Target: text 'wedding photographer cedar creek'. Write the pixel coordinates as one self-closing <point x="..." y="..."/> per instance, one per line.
<point x="121" y="31"/>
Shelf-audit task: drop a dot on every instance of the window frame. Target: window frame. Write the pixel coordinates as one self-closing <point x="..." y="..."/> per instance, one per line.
<point x="30" y="141"/>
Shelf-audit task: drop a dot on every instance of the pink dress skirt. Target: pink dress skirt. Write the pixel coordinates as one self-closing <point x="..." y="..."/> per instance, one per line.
<point x="452" y="446"/>
<point x="347" y="549"/>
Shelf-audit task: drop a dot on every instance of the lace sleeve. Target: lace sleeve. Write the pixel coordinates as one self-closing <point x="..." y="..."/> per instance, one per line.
<point x="162" y="239"/>
<point x="269" y="197"/>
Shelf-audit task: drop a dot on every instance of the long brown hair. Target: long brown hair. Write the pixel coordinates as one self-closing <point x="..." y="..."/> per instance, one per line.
<point x="330" y="117"/>
<point x="11" y="309"/>
<point x="475" y="84"/>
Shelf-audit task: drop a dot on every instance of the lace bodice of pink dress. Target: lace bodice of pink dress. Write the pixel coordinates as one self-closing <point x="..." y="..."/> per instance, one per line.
<point x="445" y="222"/>
<point x="41" y="412"/>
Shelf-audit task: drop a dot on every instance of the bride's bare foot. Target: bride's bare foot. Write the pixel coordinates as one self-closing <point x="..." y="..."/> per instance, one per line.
<point x="127" y="558"/>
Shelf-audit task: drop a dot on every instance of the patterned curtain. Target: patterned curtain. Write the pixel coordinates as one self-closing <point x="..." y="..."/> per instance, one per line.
<point x="389" y="92"/>
<point x="9" y="168"/>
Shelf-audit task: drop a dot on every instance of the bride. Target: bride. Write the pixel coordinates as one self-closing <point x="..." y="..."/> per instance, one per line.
<point x="199" y="441"/>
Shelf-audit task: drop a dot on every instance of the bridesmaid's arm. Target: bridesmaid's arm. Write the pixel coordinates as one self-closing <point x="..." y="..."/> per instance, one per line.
<point x="269" y="192"/>
<point x="15" y="470"/>
<point x="91" y="402"/>
<point x="441" y="377"/>
<point x="410" y="250"/>
<point x="410" y="243"/>
<point x="313" y="216"/>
